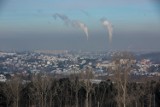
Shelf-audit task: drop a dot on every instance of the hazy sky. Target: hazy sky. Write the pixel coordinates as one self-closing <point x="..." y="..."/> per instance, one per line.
<point x="29" y="24"/>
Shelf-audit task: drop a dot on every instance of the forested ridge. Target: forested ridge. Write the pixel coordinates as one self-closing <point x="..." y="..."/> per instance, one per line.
<point x="72" y="92"/>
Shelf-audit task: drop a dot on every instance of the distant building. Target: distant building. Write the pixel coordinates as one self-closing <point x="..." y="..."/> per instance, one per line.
<point x="2" y="78"/>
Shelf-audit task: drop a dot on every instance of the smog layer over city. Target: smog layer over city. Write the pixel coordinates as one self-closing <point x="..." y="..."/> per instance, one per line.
<point x="79" y="53"/>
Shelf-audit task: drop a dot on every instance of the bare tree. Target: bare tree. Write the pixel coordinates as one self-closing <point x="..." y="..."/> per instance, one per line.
<point x="122" y="62"/>
<point x="52" y="92"/>
<point x="74" y="78"/>
<point x="86" y="77"/>
<point x="41" y="87"/>
<point x="12" y="91"/>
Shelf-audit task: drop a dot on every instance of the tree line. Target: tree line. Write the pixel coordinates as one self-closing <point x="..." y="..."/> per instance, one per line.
<point x="66" y="92"/>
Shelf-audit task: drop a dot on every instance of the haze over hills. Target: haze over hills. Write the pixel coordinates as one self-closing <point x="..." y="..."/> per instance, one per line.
<point x="78" y="42"/>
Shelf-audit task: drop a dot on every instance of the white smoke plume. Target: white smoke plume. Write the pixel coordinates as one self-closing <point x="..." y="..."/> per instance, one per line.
<point x="72" y="23"/>
<point x="82" y="26"/>
<point x="64" y="18"/>
<point x="109" y="27"/>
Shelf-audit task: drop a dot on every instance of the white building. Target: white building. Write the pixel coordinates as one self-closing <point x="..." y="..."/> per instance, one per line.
<point x="2" y="78"/>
